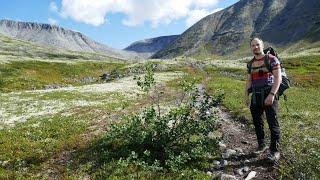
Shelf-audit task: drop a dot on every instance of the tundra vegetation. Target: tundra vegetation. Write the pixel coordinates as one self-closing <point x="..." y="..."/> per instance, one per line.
<point x="148" y="119"/>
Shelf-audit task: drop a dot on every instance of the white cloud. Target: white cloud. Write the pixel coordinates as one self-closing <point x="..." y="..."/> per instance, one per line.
<point x="52" y="21"/>
<point x="136" y="11"/>
<point x="156" y="12"/>
<point x="53" y="6"/>
<point x="195" y="15"/>
<point x="205" y="3"/>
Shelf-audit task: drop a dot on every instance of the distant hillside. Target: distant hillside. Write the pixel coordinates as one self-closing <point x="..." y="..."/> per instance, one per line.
<point x="150" y="46"/>
<point x="59" y="37"/>
<point x="12" y="49"/>
<point x="281" y="23"/>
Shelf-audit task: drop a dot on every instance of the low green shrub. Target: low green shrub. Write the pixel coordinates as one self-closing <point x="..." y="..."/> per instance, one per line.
<point x="182" y="138"/>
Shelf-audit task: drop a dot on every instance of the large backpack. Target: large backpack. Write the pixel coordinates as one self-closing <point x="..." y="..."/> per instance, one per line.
<point x="285" y="83"/>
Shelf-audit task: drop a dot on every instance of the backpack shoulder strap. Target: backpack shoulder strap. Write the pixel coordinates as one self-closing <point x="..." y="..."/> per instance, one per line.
<point x="267" y="63"/>
<point x="249" y="65"/>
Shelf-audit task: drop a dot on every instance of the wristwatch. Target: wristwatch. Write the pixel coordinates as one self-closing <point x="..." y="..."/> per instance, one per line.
<point x="272" y="93"/>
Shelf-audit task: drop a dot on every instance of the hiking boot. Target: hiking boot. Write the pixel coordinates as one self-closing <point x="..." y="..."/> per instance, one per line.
<point x="274" y="156"/>
<point x="261" y="149"/>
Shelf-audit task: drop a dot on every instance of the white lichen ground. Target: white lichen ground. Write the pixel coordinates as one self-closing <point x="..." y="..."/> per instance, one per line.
<point x="20" y="106"/>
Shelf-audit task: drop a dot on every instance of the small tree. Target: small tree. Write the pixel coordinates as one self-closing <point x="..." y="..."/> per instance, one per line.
<point x="147" y="83"/>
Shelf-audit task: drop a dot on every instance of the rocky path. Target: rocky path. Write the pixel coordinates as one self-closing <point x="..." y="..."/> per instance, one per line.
<point x="238" y="160"/>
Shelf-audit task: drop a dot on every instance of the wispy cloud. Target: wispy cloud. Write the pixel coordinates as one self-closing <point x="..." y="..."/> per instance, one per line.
<point x="53" y="6"/>
<point x="136" y="11"/>
<point x="52" y="21"/>
<point x="195" y="15"/>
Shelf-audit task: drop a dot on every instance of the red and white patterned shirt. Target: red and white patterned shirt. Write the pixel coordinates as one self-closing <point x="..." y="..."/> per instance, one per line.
<point x="260" y="75"/>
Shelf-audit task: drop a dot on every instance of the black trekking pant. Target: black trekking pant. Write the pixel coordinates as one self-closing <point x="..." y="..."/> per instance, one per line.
<point x="257" y="108"/>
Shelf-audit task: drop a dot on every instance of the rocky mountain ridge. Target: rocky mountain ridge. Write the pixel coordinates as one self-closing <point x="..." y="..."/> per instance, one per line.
<point x="152" y="45"/>
<point x="53" y="35"/>
<point x="280" y="23"/>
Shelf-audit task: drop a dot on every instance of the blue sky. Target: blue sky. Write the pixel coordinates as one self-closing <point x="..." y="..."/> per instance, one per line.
<point x="116" y="23"/>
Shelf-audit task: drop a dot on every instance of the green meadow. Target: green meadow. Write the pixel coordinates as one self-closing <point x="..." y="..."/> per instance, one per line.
<point x="59" y="132"/>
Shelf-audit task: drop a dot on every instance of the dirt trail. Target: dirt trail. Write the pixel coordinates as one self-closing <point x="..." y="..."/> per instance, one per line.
<point x="239" y="137"/>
